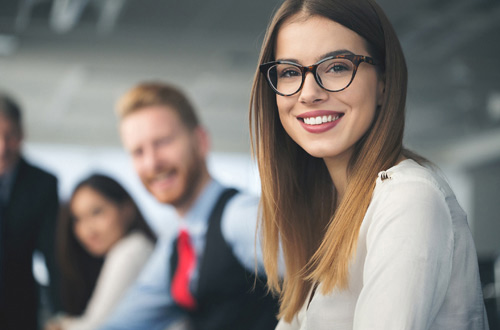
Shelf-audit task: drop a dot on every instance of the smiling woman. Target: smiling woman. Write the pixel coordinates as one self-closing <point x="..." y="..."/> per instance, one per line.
<point x="102" y="243"/>
<point x="372" y="236"/>
<point x="98" y="223"/>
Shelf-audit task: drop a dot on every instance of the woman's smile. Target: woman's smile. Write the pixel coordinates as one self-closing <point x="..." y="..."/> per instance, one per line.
<point x="319" y="121"/>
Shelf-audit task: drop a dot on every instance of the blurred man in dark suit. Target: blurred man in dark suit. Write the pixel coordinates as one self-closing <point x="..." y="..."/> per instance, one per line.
<point x="28" y="211"/>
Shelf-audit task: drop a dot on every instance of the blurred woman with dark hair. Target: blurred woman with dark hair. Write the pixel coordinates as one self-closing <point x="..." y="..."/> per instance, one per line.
<point x="103" y="243"/>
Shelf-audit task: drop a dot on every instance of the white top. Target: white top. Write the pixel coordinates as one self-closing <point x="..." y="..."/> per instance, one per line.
<point x="120" y="269"/>
<point x="415" y="266"/>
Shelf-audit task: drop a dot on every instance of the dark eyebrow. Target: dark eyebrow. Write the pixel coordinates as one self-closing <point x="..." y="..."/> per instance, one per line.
<point x="335" y="53"/>
<point x="329" y="54"/>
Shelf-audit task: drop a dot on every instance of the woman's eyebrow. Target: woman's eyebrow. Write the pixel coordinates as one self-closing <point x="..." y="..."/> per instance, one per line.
<point x="329" y="54"/>
<point x="335" y="53"/>
<point x="288" y="60"/>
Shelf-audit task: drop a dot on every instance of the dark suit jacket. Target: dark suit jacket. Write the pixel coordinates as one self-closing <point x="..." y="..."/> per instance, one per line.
<point x="28" y="223"/>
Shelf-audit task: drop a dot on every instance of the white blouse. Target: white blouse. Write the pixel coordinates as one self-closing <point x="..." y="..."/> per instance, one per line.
<point x="121" y="267"/>
<point x="415" y="265"/>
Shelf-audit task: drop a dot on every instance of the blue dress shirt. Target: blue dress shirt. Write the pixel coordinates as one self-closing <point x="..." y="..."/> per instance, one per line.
<point x="148" y="304"/>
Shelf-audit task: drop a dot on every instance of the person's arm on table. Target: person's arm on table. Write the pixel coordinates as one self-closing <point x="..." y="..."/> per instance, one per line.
<point x="148" y="304"/>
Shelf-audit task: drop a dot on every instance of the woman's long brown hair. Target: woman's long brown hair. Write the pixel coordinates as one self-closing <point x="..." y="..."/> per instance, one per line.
<point x="298" y="196"/>
<point x="79" y="269"/>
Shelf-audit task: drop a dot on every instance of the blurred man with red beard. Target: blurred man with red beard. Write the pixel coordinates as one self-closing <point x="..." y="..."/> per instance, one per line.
<point x="202" y="275"/>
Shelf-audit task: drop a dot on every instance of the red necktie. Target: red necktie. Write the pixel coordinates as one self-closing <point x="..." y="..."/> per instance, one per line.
<point x="185" y="264"/>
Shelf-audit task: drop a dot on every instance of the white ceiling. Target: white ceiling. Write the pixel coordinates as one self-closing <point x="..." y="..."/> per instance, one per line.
<point x="68" y="77"/>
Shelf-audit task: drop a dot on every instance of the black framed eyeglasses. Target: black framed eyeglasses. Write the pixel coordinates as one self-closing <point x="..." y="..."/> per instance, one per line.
<point x="333" y="73"/>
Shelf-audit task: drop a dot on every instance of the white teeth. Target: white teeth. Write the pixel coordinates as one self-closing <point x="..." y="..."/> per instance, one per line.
<point x="320" y="119"/>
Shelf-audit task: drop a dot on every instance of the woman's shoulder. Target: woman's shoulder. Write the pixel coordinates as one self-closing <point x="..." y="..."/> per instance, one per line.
<point x="132" y="243"/>
<point x="414" y="202"/>
<point x="412" y="193"/>
<point x="411" y="175"/>
<point x="412" y="190"/>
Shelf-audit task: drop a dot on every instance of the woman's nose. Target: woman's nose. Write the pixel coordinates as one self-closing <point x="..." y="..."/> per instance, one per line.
<point x="311" y="91"/>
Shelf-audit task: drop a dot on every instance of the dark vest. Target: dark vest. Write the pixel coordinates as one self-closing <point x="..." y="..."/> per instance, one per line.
<point x="228" y="296"/>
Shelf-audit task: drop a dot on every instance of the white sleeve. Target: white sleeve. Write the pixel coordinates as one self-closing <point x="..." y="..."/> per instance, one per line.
<point x="409" y="248"/>
<point x="121" y="268"/>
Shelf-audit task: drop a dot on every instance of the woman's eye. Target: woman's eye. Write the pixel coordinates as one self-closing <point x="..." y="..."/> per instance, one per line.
<point x="97" y="211"/>
<point x="289" y="73"/>
<point x="338" y="67"/>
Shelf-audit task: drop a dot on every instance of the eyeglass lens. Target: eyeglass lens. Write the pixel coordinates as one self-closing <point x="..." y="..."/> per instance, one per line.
<point x="334" y="74"/>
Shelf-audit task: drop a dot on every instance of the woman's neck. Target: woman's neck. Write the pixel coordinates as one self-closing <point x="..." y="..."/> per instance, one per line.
<point x="337" y="167"/>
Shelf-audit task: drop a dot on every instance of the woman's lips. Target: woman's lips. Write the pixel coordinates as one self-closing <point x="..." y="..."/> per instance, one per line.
<point x="319" y="121"/>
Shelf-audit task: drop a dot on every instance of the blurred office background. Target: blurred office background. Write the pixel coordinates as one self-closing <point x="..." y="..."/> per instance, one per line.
<point x="67" y="61"/>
